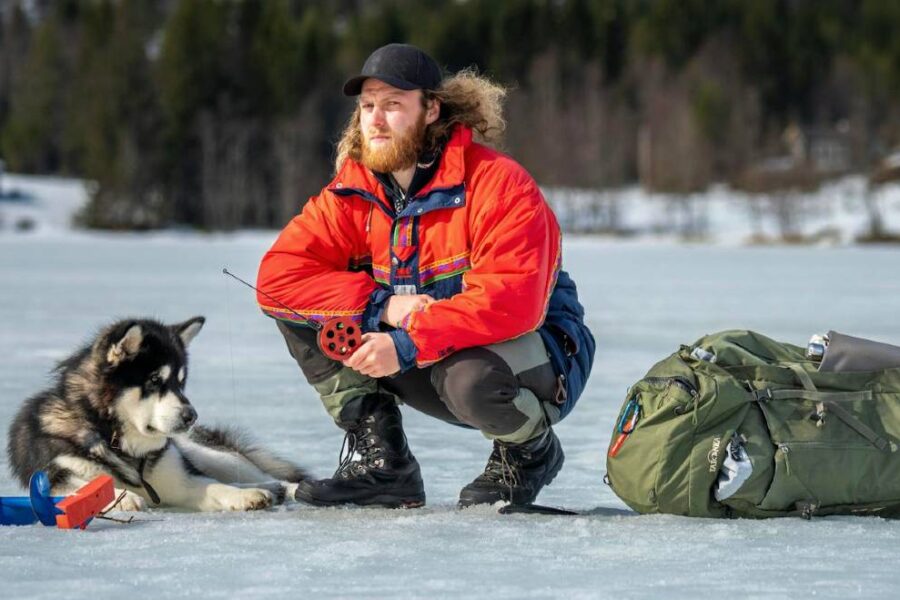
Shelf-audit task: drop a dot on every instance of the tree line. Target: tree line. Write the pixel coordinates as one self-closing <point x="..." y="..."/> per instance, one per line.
<point x="222" y="114"/>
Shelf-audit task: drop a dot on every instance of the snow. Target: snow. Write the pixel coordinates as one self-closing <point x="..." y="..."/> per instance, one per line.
<point x="39" y="204"/>
<point x="836" y="213"/>
<point x="642" y="301"/>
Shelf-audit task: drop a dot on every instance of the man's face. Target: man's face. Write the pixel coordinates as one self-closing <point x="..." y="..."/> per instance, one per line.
<point x="393" y="123"/>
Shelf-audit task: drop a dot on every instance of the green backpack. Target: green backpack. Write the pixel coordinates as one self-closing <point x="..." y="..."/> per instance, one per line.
<point x="739" y="425"/>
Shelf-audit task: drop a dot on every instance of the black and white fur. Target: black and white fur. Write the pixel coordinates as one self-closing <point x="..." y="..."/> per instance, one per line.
<point x="118" y="407"/>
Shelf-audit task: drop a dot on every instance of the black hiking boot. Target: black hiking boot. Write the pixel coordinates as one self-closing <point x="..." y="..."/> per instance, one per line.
<point x="516" y="473"/>
<point x="376" y="467"/>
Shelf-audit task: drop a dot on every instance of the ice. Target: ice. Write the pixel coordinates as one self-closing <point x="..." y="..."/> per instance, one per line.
<point x="642" y="301"/>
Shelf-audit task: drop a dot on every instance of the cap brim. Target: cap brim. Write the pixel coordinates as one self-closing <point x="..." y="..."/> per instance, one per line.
<point x="353" y="86"/>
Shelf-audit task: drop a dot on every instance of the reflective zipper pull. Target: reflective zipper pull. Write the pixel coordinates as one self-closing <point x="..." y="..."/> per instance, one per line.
<point x="785" y="450"/>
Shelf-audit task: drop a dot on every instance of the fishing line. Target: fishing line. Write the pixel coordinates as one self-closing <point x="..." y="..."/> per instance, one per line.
<point x="338" y="337"/>
<point x="309" y="321"/>
<point x="316" y="326"/>
<point x="228" y="317"/>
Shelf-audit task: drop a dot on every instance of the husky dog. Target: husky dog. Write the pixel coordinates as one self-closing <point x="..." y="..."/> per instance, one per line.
<point x="118" y="407"/>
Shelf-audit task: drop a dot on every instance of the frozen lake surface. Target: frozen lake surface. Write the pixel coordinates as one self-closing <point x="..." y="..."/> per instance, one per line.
<point x="642" y="301"/>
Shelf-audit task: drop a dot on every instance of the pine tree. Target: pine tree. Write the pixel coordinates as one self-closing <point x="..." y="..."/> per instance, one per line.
<point x="31" y="138"/>
<point x="113" y="118"/>
<point x="189" y="79"/>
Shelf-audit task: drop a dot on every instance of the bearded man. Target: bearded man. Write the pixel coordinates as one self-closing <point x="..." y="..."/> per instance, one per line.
<point x="447" y="255"/>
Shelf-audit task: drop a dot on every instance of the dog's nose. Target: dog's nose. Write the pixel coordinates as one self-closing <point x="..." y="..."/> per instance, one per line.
<point x="188" y="415"/>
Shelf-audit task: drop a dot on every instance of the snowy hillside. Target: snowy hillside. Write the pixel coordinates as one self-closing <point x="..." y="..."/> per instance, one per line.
<point x="32" y="204"/>
<point x="836" y="214"/>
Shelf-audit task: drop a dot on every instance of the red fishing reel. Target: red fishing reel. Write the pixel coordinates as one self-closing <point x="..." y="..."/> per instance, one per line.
<point x="339" y="338"/>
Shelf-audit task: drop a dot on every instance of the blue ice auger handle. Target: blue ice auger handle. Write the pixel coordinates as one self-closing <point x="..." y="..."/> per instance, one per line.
<point x="38" y="506"/>
<point x="42" y="502"/>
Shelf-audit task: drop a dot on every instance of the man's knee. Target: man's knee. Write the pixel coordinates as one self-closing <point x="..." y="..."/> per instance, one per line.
<point x="336" y="384"/>
<point x="479" y="388"/>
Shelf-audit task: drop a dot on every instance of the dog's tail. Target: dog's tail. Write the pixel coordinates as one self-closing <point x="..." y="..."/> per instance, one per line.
<point x="229" y="455"/>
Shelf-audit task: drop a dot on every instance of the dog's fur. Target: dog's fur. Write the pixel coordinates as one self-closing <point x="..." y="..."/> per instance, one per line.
<point x="118" y="407"/>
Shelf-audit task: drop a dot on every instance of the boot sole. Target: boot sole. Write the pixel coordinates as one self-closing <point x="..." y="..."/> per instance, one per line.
<point x="381" y="500"/>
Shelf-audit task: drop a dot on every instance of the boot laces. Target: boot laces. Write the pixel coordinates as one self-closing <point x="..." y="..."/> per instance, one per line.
<point x="503" y="467"/>
<point x="510" y="469"/>
<point x="359" y="452"/>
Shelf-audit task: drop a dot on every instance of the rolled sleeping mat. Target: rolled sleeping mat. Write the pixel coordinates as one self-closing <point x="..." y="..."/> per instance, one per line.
<point x="848" y="353"/>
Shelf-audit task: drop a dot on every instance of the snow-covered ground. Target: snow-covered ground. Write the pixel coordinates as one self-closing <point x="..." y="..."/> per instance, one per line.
<point x="642" y="301"/>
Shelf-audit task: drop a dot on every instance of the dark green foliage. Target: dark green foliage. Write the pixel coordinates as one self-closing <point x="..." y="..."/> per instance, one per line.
<point x="675" y="29"/>
<point x="876" y="45"/>
<point x="190" y="67"/>
<point x="221" y="113"/>
<point x="710" y="109"/>
<point x="31" y="135"/>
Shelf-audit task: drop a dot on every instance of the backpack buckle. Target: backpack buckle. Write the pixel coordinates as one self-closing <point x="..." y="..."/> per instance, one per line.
<point x="807" y="510"/>
<point x="763" y="395"/>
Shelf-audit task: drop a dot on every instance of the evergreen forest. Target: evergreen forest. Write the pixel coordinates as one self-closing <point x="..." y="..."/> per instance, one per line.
<point x="216" y="114"/>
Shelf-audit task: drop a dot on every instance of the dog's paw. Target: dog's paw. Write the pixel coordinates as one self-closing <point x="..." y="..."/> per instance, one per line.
<point x="290" y="490"/>
<point x="130" y="502"/>
<point x="226" y="497"/>
<point x="256" y="499"/>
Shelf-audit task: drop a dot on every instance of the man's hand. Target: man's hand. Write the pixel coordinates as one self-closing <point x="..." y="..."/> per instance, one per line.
<point x="398" y="307"/>
<point x="377" y="357"/>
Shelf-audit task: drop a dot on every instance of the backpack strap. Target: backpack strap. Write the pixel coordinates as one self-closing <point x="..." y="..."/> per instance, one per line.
<point x="802" y="376"/>
<point x="827" y="401"/>
<point x="861" y="428"/>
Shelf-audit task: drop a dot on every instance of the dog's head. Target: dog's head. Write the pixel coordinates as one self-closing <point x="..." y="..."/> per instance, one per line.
<point x="144" y="372"/>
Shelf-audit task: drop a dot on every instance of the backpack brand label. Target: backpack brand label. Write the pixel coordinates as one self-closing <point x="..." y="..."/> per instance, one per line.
<point x="713" y="455"/>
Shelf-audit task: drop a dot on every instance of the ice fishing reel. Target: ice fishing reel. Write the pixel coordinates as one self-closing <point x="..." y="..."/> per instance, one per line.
<point x="339" y="338"/>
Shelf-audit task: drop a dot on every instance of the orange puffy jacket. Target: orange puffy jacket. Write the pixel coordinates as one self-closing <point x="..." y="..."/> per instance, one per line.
<point x="479" y="238"/>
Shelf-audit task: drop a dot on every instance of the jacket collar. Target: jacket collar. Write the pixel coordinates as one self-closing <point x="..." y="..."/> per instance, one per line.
<point x="451" y="173"/>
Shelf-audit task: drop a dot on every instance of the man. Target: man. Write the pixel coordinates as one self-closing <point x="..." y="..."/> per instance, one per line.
<point x="447" y="255"/>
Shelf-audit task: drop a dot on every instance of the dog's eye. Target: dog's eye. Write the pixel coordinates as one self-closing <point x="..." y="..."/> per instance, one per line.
<point x="156" y="380"/>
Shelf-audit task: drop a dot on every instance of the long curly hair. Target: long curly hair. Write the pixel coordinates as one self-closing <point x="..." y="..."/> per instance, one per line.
<point x="466" y="98"/>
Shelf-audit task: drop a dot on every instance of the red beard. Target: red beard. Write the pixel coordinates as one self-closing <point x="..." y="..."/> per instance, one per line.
<point x="400" y="153"/>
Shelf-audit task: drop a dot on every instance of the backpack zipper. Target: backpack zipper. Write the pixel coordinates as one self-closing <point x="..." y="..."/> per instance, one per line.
<point x="681" y="382"/>
<point x="824" y="445"/>
<point x="685" y="385"/>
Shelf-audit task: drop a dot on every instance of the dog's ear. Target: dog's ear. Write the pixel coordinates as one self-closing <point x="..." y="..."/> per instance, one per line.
<point x="189" y="329"/>
<point x="127" y="347"/>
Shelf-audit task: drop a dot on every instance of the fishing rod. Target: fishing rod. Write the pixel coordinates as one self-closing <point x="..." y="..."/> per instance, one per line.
<point x="338" y="337"/>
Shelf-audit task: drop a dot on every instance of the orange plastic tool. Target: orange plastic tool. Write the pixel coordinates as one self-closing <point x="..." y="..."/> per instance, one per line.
<point x="85" y="504"/>
<point x="619" y="441"/>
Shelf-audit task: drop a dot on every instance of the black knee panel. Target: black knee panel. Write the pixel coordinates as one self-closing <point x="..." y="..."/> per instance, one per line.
<point x="479" y="388"/>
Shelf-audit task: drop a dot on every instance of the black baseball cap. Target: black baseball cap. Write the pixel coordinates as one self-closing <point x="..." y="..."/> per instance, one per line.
<point x="401" y="65"/>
